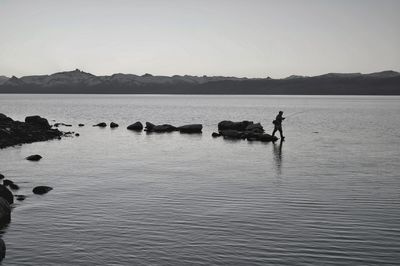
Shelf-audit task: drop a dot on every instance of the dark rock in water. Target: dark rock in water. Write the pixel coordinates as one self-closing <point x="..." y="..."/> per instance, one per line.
<point x="14" y="186"/>
<point x="215" y="135"/>
<point x="267" y="138"/>
<point x="7" y="182"/>
<point x="1" y="176"/>
<point x="113" y="125"/>
<point x="159" y="128"/>
<point x="35" y="157"/>
<point x="232" y="134"/>
<point x="193" y="128"/>
<point x="40" y="190"/>
<point x="20" y="197"/>
<point x="136" y="126"/>
<point x="62" y="124"/>
<point x="37" y="121"/>
<point x="81" y="125"/>
<point x="239" y="126"/>
<point x="2" y="249"/>
<point x="16" y="132"/>
<point x="6" y="194"/>
<point x="258" y="128"/>
<point x="102" y="124"/>
<point x="77" y="135"/>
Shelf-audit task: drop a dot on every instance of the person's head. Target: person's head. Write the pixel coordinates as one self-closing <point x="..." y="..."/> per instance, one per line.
<point x="281" y="112"/>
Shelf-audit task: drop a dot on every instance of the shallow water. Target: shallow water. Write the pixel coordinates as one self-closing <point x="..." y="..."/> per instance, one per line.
<point x="327" y="195"/>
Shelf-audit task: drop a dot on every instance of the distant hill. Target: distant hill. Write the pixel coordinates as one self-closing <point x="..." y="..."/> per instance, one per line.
<point x="379" y="83"/>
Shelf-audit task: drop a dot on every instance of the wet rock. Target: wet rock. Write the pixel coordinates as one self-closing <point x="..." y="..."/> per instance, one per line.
<point x="7" y="182"/>
<point x="34" y="129"/>
<point x="35" y="157"/>
<point x="6" y="194"/>
<point x="159" y="128"/>
<point x="37" y="121"/>
<point x="232" y="134"/>
<point x="14" y="186"/>
<point x="40" y="190"/>
<point x="2" y="249"/>
<point x="193" y="128"/>
<point x="20" y="197"/>
<point x="62" y="124"/>
<point x="258" y="128"/>
<point x="267" y="138"/>
<point x="77" y="135"/>
<point x="136" y="126"/>
<point x="81" y="125"/>
<point x="230" y="125"/>
<point x="102" y="124"/>
<point x="215" y="135"/>
<point x="1" y="176"/>
<point x="113" y="125"/>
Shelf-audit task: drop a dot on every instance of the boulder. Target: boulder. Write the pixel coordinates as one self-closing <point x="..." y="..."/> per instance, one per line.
<point x="2" y="249"/>
<point x="7" y="182"/>
<point x="102" y="124"/>
<point x="113" y="125"/>
<point x="239" y="126"/>
<point x="37" y="121"/>
<point x="136" y="126"/>
<point x="255" y="128"/>
<point x="35" y="157"/>
<point x="1" y="176"/>
<point x="232" y="134"/>
<point x="159" y="128"/>
<point x="40" y="190"/>
<point x="149" y="126"/>
<point x="193" y="128"/>
<point x="5" y="119"/>
<point x="6" y="194"/>
<point x="14" y="186"/>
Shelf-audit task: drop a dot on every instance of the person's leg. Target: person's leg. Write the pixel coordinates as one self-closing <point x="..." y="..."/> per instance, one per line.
<point x="280" y="131"/>
<point x="273" y="132"/>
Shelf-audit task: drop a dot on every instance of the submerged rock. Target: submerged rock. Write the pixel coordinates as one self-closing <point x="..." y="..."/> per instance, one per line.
<point x="20" y="197"/>
<point x="102" y="124"/>
<point x="81" y="125"/>
<point x="35" y="157"/>
<point x="193" y="128"/>
<point x="77" y="135"/>
<point x="40" y="190"/>
<point x="136" y="126"/>
<point x="216" y="135"/>
<point x="6" y="194"/>
<point x="113" y="125"/>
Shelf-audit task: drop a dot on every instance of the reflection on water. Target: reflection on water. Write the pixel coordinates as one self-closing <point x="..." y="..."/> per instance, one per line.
<point x="277" y="153"/>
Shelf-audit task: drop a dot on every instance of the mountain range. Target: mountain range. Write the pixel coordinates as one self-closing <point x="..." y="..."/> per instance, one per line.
<point x="77" y="81"/>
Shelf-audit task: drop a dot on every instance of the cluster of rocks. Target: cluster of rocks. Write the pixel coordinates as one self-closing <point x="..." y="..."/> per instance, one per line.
<point x="243" y="130"/>
<point x="7" y="200"/>
<point x="35" y="128"/>
<point x="192" y="128"/>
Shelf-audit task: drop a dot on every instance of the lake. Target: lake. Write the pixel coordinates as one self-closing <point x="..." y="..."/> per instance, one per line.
<point x="328" y="195"/>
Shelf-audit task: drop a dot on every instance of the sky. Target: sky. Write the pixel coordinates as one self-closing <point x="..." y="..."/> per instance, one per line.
<point x="249" y="38"/>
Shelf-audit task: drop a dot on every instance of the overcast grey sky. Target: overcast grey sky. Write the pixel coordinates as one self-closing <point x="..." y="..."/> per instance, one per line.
<point x="239" y="38"/>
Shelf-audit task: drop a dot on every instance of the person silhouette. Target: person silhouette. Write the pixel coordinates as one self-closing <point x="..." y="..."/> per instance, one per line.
<point x="278" y="124"/>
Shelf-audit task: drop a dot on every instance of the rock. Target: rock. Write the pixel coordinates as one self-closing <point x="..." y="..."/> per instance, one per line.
<point x="136" y="126"/>
<point x="77" y="135"/>
<point x="102" y="124"/>
<point x="6" y="194"/>
<point x="20" y="197"/>
<point x="62" y="124"/>
<point x="113" y="125"/>
<point x="193" y="128"/>
<point x="267" y="138"/>
<point x="37" y="121"/>
<point x="239" y="126"/>
<point x="1" y="176"/>
<point x="159" y="128"/>
<point x="232" y="134"/>
<point x="215" y="135"/>
<point x="81" y="125"/>
<point x="2" y="249"/>
<point x="16" y="132"/>
<point x="40" y="190"/>
<point x="255" y="128"/>
<point x="14" y="186"/>
<point x="7" y="182"/>
<point x="35" y="157"/>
